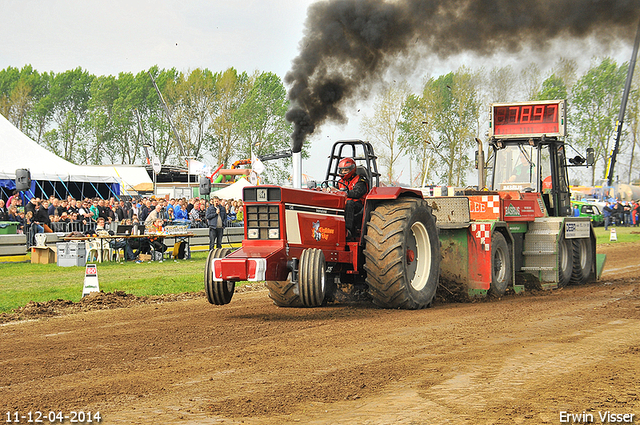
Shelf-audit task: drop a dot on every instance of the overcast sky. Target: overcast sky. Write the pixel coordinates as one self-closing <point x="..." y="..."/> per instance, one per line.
<point x="109" y="37"/>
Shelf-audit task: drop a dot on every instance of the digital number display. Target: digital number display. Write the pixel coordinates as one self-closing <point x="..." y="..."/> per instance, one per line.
<point x="528" y="119"/>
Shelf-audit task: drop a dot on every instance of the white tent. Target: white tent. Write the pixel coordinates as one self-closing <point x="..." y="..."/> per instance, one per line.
<point x="19" y="151"/>
<point x="134" y="178"/>
<point x="233" y="191"/>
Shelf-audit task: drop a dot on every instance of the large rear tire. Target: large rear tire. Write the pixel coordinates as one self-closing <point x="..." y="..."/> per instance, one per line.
<point x="500" y="265"/>
<point x="402" y="254"/>
<point x="218" y="292"/>
<point x="312" y="277"/>
<point x="284" y="293"/>
<point x="582" y="259"/>
<point x="565" y="261"/>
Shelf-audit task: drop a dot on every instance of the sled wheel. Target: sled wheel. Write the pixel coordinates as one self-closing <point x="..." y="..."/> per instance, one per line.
<point x="565" y="261"/>
<point x="582" y="258"/>
<point x="218" y="292"/>
<point x="312" y="277"/>
<point x="500" y="265"/>
<point x="402" y="254"/>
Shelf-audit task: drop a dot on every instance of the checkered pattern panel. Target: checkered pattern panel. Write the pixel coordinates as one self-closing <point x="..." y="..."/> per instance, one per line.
<point x="482" y="232"/>
<point x="493" y="203"/>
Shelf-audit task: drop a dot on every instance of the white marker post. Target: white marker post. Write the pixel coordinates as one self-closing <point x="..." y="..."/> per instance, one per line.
<point x="613" y="237"/>
<point x="90" y="280"/>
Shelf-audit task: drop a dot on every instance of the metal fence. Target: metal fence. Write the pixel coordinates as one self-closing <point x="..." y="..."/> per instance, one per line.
<point x="62" y="227"/>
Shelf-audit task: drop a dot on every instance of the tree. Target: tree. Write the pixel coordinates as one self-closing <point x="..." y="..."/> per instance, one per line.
<point x="596" y="104"/>
<point x="160" y="135"/>
<point x="531" y="81"/>
<point x="566" y="70"/>
<point x="197" y="98"/>
<point x="418" y="134"/>
<point x="104" y="92"/>
<point x="552" y="88"/>
<point x="70" y="93"/>
<point x="450" y="108"/>
<point x="502" y="84"/>
<point x="383" y="128"/>
<point x="262" y="126"/>
<point x="231" y="91"/>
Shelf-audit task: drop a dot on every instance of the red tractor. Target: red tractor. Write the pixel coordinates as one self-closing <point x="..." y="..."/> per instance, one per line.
<point x="485" y="240"/>
<point x="296" y="241"/>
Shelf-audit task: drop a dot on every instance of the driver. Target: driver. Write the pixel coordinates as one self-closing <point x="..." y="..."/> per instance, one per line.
<point x="356" y="187"/>
<point x="521" y="171"/>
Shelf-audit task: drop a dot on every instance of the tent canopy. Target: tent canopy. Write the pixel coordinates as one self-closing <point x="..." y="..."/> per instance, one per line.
<point x="134" y="178"/>
<point x="19" y="151"/>
<point x="233" y="191"/>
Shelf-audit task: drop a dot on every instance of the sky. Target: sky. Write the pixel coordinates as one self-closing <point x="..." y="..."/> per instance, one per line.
<point x="109" y="37"/>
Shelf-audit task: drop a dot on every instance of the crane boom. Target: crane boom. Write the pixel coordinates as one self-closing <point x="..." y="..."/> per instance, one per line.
<point x="146" y="150"/>
<point x="166" y="111"/>
<point x="623" y="107"/>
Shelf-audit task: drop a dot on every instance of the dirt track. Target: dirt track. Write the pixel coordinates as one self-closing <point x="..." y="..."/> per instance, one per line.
<point x="522" y="359"/>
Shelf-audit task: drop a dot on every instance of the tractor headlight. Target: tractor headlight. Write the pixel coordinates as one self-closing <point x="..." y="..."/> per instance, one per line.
<point x="274" y="233"/>
<point x="253" y="233"/>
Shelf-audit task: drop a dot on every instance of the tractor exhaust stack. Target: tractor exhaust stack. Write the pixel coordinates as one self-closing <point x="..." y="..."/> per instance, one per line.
<point x="297" y="170"/>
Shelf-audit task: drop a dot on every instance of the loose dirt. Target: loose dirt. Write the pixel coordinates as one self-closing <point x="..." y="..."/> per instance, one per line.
<point x="177" y="359"/>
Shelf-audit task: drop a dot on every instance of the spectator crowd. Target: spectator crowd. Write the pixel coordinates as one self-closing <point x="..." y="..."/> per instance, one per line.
<point x="619" y="213"/>
<point x="82" y="215"/>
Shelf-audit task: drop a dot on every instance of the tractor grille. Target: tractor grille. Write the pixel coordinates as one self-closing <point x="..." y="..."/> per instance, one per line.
<point x="262" y="221"/>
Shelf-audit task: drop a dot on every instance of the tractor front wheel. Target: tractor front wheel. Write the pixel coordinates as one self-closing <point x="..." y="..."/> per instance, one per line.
<point x="402" y="254"/>
<point x="218" y="292"/>
<point x="312" y="277"/>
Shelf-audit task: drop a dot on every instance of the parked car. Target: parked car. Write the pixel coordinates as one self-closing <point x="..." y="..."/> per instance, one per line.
<point x="589" y="209"/>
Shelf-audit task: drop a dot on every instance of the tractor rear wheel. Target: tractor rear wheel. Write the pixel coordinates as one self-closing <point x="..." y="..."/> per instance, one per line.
<point x="312" y="277"/>
<point x="500" y="265"/>
<point x="284" y="293"/>
<point x="218" y="292"/>
<point x="582" y="257"/>
<point x="402" y="254"/>
<point x="565" y="261"/>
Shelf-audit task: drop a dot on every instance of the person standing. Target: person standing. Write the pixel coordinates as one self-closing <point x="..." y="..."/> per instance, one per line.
<point x="608" y="215"/>
<point x="4" y="212"/>
<point x="216" y="216"/>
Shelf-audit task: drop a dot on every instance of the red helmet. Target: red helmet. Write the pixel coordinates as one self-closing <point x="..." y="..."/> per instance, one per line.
<point x="346" y="168"/>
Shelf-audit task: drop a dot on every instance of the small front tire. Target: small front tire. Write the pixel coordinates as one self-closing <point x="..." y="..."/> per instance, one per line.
<point x="218" y="292"/>
<point x="312" y="277"/>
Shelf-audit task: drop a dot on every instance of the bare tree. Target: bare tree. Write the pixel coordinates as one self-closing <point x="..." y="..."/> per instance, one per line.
<point x="449" y="111"/>
<point x="502" y="84"/>
<point x="383" y="128"/>
<point x="531" y="80"/>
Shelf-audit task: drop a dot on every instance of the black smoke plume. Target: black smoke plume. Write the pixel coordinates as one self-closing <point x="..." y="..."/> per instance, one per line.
<point x="349" y="44"/>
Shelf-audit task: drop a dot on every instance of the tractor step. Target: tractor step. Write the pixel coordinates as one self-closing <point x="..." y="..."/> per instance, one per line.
<point x="539" y="252"/>
<point x="535" y="268"/>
